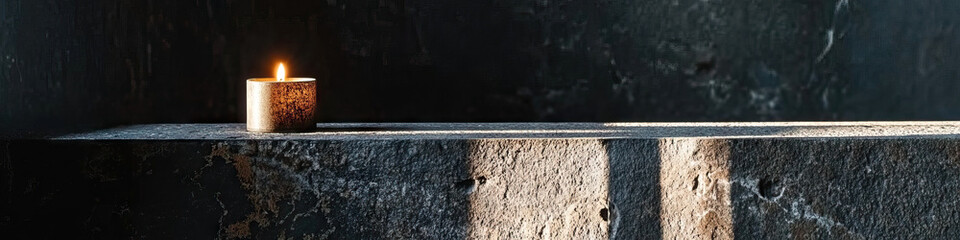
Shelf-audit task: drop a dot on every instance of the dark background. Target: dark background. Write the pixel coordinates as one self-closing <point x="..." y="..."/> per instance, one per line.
<point x="72" y="65"/>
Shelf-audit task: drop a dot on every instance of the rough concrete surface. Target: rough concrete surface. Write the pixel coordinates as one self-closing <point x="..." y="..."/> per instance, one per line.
<point x="488" y="181"/>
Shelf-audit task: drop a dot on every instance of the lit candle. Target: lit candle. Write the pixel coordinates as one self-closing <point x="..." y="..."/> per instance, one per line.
<point x="281" y="104"/>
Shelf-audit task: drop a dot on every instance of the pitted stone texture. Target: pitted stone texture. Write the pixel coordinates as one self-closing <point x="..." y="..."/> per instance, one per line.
<point x="345" y="189"/>
<point x="523" y="185"/>
<point x="539" y="189"/>
<point x="846" y="189"/>
<point x="695" y="198"/>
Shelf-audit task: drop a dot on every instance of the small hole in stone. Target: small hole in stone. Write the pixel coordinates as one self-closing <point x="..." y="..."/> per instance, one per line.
<point x="696" y="183"/>
<point x="605" y="214"/>
<point x="481" y="180"/>
<point x="704" y="67"/>
<point x="769" y="188"/>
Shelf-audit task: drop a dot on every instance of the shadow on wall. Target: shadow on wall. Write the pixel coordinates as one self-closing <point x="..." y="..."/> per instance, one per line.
<point x="236" y="189"/>
<point x="634" y="210"/>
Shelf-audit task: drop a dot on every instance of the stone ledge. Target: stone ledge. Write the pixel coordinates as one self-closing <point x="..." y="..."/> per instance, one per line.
<point x="523" y="180"/>
<point x="367" y="131"/>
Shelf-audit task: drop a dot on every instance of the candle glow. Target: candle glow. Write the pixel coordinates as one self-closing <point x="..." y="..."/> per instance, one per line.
<point x="281" y="73"/>
<point x="281" y="104"/>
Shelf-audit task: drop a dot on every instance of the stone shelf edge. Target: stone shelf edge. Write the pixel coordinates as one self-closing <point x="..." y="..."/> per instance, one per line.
<point x="532" y="130"/>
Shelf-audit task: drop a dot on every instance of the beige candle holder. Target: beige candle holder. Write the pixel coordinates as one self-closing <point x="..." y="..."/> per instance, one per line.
<point x="281" y="106"/>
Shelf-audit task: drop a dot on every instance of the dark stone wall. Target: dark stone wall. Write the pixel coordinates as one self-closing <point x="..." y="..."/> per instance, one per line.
<point x="72" y="65"/>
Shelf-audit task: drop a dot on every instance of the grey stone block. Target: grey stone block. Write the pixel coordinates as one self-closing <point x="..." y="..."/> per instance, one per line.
<point x="504" y="180"/>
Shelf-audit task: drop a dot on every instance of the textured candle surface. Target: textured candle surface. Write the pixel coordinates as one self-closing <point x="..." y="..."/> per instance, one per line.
<point x="287" y="106"/>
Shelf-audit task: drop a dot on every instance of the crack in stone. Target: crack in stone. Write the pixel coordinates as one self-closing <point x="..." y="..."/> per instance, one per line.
<point x="841" y="4"/>
<point x="225" y="212"/>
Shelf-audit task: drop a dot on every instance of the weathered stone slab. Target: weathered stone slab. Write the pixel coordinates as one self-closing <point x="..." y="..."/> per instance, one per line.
<point x="504" y="180"/>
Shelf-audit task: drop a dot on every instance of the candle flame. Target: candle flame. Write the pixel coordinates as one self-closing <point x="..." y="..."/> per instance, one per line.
<point x="281" y="73"/>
